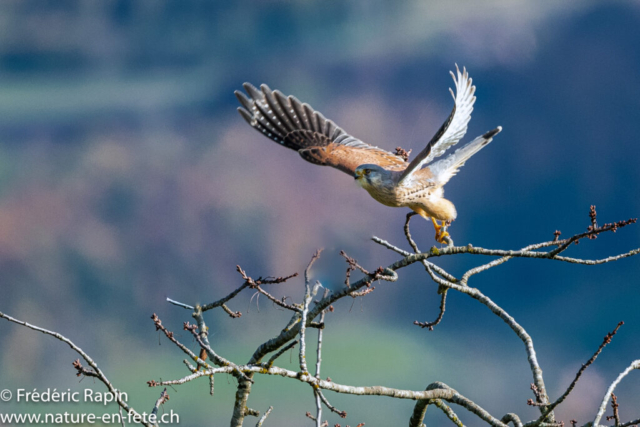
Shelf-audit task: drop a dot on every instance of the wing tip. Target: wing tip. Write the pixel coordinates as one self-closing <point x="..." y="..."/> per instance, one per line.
<point x="492" y="133"/>
<point x="247" y="116"/>
<point x="265" y="89"/>
<point x="242" y="98"/>
<point x="252" y="91"/>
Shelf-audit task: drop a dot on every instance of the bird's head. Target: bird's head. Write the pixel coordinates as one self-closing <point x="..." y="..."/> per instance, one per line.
<point x="371" y="175"/>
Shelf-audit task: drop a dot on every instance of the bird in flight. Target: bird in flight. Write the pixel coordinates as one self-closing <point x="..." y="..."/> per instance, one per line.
<point x="389" y="178"/>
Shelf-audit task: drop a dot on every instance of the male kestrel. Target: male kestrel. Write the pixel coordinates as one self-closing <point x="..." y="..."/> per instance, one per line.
<point x="387" y="177"/>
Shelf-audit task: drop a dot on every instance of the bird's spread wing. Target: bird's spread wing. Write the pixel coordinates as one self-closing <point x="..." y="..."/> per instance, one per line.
<point x="452" y="130"/>
<point x="295" y="125"/>
<point x="443" y="170"/>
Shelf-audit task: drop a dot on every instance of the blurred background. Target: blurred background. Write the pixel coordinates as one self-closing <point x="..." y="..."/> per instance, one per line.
<point x="127" y="176"/>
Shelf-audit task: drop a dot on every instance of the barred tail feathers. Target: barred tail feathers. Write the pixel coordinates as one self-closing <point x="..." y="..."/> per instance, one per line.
<point x="446" y="168"/>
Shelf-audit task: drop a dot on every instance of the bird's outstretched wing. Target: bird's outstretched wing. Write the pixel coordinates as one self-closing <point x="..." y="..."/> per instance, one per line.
<point x="295" y="125"/>
<point x="452" y="130"/>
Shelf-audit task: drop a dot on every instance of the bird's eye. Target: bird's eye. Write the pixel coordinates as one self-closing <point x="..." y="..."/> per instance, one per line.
<point x="367" y="171"/>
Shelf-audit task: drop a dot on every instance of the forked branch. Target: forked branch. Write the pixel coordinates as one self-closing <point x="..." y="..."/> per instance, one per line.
<point x="310" y="312"/>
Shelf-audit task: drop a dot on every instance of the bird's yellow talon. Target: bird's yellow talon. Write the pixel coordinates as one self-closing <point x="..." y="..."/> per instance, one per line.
<point x="441" y="231"/>
<point x="443" y="238"/>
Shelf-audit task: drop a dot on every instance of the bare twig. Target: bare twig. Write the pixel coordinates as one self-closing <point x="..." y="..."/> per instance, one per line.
<point x="512" y="418"/>
<point x="616" y="414"/>
<point x="247" y="283"/>
<point x="467" y="404"/>
<point x="341" y="414"/>
<point x="404" y="253"/>
<point x="407" y="232"/>
<point x="430" y="325"/>
<point x="164" y="397"/>
<point x="318" y="417"/>
<point x="204" y="343"/>
<point x="548" y="409"/>
<point x="592" y="231"/>
<point x="403" y="153"/>
<point x="319" y="347"/>
<point x="356" y="294"/>
<point x="634" y="365"/>
<point x="430" y="267"/>
<point x="211" y="384"/>
<point x="172" y="338"/>
<point x="318" y="393"/>
<point x="448" y="412"/>
<point x="281" y="352"/>
<point x="190" y="367"/>
<point x="251" y="412"/>
<point x="473" y="250"/>
<point x="180" y="304"/>
<point x="195" y="375"/>
<point x="633" y="423"/>
<point x="99" y="374"/>
<point x="255" y="284"/>
<point x="305" y="312"/>
<point x="352" y="265"/>
<point x="307" y="271"/>
<point x="222" y="301"/>
<point x="233" y="314"/>
<point x="82" y="371"/>
<point x="264" y="416"/>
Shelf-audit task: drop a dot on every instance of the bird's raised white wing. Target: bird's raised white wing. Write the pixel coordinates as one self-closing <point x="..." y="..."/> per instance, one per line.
<point x="453" y="129"/>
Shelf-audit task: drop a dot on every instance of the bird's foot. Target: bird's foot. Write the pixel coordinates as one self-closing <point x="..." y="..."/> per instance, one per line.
<point x="442" y="236"/>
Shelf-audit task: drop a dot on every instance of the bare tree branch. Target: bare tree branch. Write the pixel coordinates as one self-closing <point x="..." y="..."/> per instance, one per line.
<point x="616" y="414"/>
<point x="281" y="352"/>
<point x="448" y="412"/>
<point x="264" y="416"/>
<point x="512" y="418"/>
<point x="98" y="373"/>
<point x="305" y="315"/>
<point x="551" y="407"/>
<point x="603" y="406"/>
<point x="305" y="312"/>
<point x="164" y="397"/>
<point x="443" y="304"/>
<point x="171" y="336"/>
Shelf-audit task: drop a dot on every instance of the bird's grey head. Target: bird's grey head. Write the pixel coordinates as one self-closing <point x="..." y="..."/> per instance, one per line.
<point x="370" y="175"/>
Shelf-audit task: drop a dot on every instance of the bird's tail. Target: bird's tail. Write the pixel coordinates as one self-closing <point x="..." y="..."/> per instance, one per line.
<point x="444" y="169"/>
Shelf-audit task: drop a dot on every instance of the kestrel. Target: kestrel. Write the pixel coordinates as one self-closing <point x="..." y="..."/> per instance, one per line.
<point x="387" y="177"/>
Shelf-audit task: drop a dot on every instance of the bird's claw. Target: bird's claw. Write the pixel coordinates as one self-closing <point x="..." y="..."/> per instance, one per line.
<point x="442" y="236"/>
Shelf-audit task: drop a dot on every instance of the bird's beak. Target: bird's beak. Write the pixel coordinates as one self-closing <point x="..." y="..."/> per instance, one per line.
<point x="357" y="175"/>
